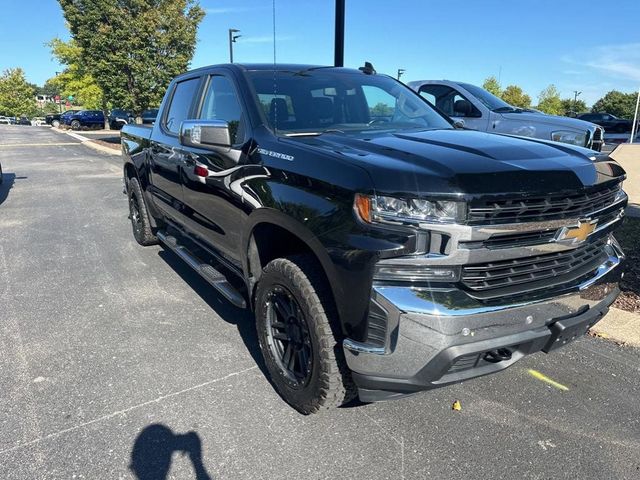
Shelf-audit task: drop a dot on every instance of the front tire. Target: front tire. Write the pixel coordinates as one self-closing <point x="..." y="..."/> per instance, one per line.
<point x="297" y="332"/>
<point x="75" y="125"/>
<point x="139" y="215"/>
<point x="55" y="124"/>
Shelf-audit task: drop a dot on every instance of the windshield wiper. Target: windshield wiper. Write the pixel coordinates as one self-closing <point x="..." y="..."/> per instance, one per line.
<point x="312" y="134"/>
<point x="505" y="109"/>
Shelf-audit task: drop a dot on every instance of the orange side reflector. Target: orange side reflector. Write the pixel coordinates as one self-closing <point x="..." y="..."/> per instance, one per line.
<point x="363" y="206"/>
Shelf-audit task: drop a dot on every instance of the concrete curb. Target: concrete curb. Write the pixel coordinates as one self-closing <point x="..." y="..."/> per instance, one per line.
<point x="89" y="142"/>
<point x="620" y="326"/>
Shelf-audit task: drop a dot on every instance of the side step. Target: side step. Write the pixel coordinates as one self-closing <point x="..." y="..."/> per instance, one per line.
<point x="210" y="274"/>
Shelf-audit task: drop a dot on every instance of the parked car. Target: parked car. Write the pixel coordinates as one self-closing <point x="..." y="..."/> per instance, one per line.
<point x="4" y="121"/>
<point x="382" y="250"/>
<point x="64" y="117"/>
<point x="53" y="119"/>
<point x="118" y="118"/>
<point x="609" y="122"/>
<point x="23" y="121"/>
<point x="149" y="116"/>
<point x="478" y="109"/>
<point x="84" y="118"/>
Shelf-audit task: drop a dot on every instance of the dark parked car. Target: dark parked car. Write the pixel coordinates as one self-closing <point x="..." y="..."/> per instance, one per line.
<point x="149" y="116"/>
<point x="381" y="255"/>
<point x="53" y="119"/>
<point x="84" y="118"/>
<point x="610" y="123"/>
<point x="23" y="121"/>
<point x="65" y="116"/>
<point x="118" y="118"/>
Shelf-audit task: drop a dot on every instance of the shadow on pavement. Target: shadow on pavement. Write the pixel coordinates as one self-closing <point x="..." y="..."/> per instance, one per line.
<point x="8" y="179"/>
<point x="154" y="447"/>
<point x="242" y="318"/>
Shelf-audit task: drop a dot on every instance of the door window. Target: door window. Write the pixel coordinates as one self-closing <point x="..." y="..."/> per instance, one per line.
<point x="221" y="103"/>
<point x="447" y="99"/>
<point x="183" y="95"/>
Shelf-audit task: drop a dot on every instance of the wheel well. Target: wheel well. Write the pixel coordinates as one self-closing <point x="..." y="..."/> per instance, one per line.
<point x="268" y="242"/>
<point x="129" y="173"/>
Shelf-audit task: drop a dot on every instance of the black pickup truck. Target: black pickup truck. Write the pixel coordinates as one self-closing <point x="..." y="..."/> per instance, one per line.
<point x="382" y="251"/>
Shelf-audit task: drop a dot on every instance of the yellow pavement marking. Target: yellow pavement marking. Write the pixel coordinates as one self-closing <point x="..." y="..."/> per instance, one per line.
<point x="544" y="378"/>
<point x="62" y="144"/>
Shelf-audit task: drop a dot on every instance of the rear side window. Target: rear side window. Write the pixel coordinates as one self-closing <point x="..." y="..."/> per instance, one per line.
<point x="180" y="104"/>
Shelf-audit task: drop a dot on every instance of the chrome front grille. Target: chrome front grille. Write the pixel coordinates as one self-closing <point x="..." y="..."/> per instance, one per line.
<point x="521" y="274"/>
<point x="542" y="208"/>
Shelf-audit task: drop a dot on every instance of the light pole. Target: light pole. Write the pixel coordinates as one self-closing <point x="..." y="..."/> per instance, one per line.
<point x="59" y="95"/>
<point x="232" y="40"/>
<point x="575" y="101"/>
<point x="400" y="72"/>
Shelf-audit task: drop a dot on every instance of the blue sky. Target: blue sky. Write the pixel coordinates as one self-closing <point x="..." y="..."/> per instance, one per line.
<point x="575" y="44"/>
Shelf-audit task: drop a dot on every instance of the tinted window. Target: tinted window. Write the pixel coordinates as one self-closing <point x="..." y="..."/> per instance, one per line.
<point x="221" y="103"/>
<point x="315" y="100"/>
<point x="180" y="104"/>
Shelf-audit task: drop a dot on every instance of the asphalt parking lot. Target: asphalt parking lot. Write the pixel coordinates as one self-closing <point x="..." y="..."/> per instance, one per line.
<point x="117" y="361"/>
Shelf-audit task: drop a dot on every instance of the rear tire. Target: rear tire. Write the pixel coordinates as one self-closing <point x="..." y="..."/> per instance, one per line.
<point x="295" y="311"/>
<point x="139" y="215"/>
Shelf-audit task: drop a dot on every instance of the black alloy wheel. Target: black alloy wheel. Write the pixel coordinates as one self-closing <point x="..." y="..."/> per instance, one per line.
<point x="288" y="337"/>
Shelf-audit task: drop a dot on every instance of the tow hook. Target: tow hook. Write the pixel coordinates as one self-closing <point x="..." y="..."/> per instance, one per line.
<point x="499" y="355"/>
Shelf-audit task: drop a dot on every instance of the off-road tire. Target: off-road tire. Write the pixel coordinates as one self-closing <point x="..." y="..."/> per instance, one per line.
<point x="139" y="215"/>
<point x="330" y="384"/>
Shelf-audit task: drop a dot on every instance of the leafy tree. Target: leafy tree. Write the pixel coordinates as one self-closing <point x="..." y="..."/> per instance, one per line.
<point x="514" y="95"/>
<point x="616" y="103"/>
<point x="16" y="94"/>
<point x="381" y="110"/>
<point x="133" y="48"/>
<point x="571" y="107"/>
<point x="492" y="85"/>
<point x="74" y="81"/>
<point x="549" y="101"/>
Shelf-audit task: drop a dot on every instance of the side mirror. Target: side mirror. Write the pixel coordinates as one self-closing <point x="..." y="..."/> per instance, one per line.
<point x="458" y="123"/>
<point x="205" y="133"/>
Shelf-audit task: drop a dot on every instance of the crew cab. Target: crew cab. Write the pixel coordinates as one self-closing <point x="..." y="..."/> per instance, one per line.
<point x="478" y="109"/>
<point x="382" y="250"/>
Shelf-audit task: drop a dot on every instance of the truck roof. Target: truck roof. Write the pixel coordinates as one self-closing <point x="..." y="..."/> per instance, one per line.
<point x="270" y="66"/>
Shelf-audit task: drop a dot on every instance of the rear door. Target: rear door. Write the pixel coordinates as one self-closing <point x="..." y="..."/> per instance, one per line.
<point x="166" y="155"/>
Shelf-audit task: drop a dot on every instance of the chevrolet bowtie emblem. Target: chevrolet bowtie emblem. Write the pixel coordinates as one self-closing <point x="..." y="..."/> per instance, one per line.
<point x="577" y="234"/>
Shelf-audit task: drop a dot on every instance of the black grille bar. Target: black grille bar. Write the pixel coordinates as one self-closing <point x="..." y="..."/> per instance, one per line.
<point x="522" y="271"/>
<point x="542" y="208"/>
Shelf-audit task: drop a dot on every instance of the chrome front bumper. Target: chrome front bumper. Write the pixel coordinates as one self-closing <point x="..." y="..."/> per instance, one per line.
<point x="430" y="331"/>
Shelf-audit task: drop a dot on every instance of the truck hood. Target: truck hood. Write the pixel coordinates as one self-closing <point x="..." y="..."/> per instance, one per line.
<point x="454" y="163"/>
<point x="565" y="123"/>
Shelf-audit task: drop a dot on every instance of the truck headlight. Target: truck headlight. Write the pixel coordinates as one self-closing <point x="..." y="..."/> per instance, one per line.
<point x="573" y="138"/>
<point x="384" y="209"/>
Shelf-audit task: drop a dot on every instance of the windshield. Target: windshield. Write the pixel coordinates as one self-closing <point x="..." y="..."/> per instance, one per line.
<point x="315" y="101"/>
<point x="489" y="100"/>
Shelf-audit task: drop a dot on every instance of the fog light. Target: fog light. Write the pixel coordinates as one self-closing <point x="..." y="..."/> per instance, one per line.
<point x="416" y="273"/>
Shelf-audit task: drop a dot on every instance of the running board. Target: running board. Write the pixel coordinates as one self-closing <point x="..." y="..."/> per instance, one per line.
<point x="206" y="271"/>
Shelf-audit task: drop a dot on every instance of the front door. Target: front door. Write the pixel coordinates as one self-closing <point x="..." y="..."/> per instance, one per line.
<point x="211" y="177"/>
